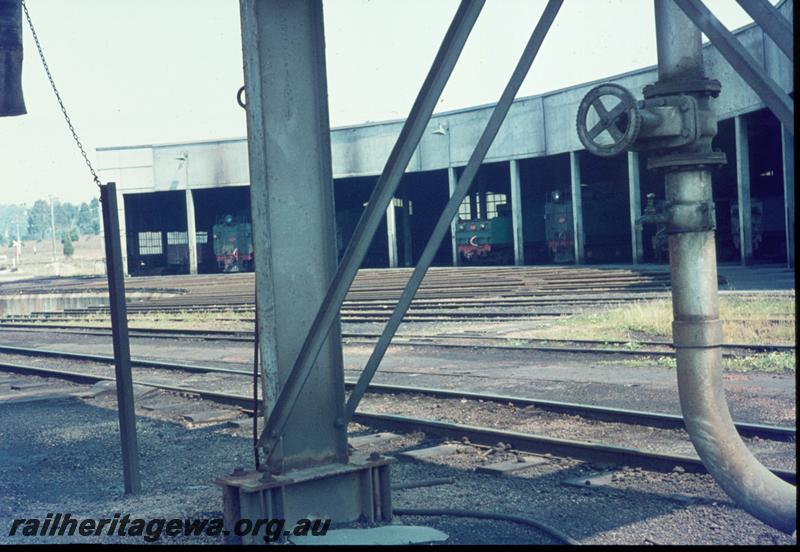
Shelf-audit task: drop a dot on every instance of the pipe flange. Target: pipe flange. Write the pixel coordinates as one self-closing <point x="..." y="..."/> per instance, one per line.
<point x="687" y="161"/>
<point x="705" y="87"/>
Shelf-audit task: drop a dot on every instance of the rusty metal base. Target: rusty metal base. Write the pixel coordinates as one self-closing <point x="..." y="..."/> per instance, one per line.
<point x="359" y="491"/>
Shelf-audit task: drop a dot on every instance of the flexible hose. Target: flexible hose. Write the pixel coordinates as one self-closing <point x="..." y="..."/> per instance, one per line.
<point x="423" y="483"/>
<point x="566" y="539"/>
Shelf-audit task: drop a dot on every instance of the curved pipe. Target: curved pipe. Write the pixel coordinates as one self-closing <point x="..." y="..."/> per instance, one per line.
<point x="697" y="330"/>
<point x="697" y="334"/>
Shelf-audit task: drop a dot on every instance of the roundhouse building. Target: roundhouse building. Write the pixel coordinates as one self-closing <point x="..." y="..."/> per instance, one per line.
<point x="169" y="192"/>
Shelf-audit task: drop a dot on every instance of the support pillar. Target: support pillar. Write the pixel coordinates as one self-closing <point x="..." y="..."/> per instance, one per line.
<point x="577" y="208"/>
<point x="787" y="147"/>
<point x="408" y="246"/>
<point x="743" y="191"/>
<point x="452" y="181"/>
<point x="516" y="213"/>
<point x="635" y="199"/>
<point x="191" y="232"/>
<point x="309" y="473"/>
<point x="391" y="234"/>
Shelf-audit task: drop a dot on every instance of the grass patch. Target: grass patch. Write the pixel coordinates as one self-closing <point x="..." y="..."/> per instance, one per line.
<point x="744" y="321"/>
<point x="776" y="362"/>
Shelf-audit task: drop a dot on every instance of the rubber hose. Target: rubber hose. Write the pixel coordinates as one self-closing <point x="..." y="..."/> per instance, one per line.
<point x="566" y="539"/>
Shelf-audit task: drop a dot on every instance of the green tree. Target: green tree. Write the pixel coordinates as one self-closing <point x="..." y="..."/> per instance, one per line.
<point x="69" y="249"/>
<point x="39" y="220"/>
<point x="94" y="207"/>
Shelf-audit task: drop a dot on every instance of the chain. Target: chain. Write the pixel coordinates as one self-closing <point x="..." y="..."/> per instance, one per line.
<point x="58" y="96"/>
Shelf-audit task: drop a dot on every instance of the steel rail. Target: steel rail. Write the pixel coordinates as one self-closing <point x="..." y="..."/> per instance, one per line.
<point x="410" y="135"/>
<point x="524" y="442"/>
<point x="777" y="27"/>
<point x="608" y="414"/>
<point x="428" y="340"/>
<point x="742" y="62"/>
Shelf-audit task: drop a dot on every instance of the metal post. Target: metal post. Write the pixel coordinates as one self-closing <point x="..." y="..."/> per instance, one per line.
<point x="191" y="232"/>
<point x="740" y="59"/>
<point x="635" y="199"/>
<point x="119" y="336"/>
<point x="743" y="191"/>
<point x="53" y="228"/>
<point x="482" y="199"/>
<point x="697" y="329"/>
<point x="451" y="208"/>
<point x="452" y="180"/>
<point x="407" y="142"/>
<point x="516" y="213"/>
<point x="787" y="149"/>
<point x="291" y="191"/>
<point x="391" y="234"/>
<point x="577" y="206"/>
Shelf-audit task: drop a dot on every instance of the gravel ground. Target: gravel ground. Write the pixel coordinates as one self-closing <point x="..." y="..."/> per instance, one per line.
<point x="78" y="449"/>
<point x="488" y="414"/>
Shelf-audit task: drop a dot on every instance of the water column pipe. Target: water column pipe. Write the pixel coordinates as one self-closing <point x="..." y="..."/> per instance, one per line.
<point x="697" y="329"/>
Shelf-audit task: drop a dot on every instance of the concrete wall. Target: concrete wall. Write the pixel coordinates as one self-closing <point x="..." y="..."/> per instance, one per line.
<point x="535" y="126"/>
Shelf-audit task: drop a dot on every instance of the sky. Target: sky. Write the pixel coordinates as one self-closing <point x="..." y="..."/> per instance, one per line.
<point x="154" y="71"/>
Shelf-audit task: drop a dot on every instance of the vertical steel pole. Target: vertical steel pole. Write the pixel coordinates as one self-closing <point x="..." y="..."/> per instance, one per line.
<point x="577" y="205"/>
<point x="516" y="213"/>
<point x="635" y="199"/>
<point x="697" y="329"/>
<point x="464" y="19"/>
<point x="119" y="335"/>
<point x="787" y="149"/>
<point x="452" y="180"/>
<point x="743" y="191"/>
<point x="291" y="193"/>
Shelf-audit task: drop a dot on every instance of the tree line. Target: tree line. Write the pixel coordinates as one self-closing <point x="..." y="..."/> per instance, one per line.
<point x="33" y="223"/>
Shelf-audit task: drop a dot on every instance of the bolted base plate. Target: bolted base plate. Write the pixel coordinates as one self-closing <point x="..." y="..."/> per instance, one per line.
<point x="344" y="493"/>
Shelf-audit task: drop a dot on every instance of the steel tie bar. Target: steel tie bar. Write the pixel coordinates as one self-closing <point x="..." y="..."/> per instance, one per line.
<point x="451" y="208"/>
<point x="742" y="62"/>
<point x="777" y="27"/>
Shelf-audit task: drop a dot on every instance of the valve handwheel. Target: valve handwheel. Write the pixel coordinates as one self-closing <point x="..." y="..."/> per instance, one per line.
<point x="622" y="123"/>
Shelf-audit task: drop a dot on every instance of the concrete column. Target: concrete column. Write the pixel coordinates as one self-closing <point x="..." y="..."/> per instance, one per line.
<point x="452" y="181"/>
<point x="482" y="199"/>
<point x="391" y="234"/>
<point x="123" y="233"/>
<point x="191" y="232"/>
<point x="635" y="198"/>
<point x="408" y="249"/>
<point x="291" y="192"/>
<point x="577" y="208"/>
<point x="516" y="213"/>
<point x="787" y="147"/>
<point x="743" y="191"/>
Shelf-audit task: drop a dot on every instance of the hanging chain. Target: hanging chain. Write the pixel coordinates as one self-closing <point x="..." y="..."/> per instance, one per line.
<point x="58" y="96"/>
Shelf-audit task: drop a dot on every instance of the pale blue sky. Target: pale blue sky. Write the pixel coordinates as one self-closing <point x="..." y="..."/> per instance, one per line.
<point x="151" y="71"/>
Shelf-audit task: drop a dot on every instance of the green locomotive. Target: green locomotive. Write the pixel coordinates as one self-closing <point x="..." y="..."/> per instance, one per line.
<point x="233" y="244"/>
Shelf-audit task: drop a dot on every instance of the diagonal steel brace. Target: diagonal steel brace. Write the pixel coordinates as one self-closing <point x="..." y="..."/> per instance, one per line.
<point x="410" y="135"/>
<point x="742" y="62"/>
<point x="451" y="208"/>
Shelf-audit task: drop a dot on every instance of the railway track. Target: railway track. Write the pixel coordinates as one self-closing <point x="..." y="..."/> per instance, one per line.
<point x="469" y="341"/>
<point x="486" y="436"/>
